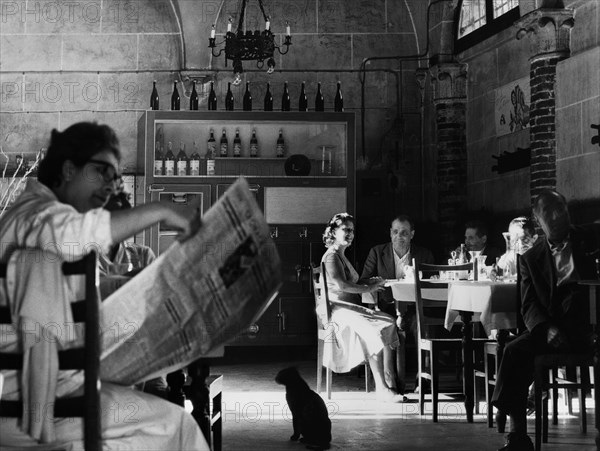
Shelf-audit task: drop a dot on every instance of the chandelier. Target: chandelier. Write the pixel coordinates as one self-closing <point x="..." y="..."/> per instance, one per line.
<point x="250" y="46"/>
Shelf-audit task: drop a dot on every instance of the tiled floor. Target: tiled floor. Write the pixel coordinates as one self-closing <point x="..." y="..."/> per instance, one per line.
<point x="256" y="417"/>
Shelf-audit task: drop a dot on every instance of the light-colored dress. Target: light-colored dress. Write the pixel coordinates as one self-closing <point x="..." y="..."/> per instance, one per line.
<point x="356" y="331"/>
<point x="131" y="420"/>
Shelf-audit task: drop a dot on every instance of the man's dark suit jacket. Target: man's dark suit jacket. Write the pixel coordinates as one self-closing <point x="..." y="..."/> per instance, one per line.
<point x="542" y="302"/>
<point x="380" y="262"/>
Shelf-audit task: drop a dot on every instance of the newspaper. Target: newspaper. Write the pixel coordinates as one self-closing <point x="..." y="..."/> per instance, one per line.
<point x="195" y="297"/>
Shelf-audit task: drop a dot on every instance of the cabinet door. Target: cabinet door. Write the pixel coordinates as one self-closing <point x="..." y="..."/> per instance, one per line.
<point x="188" y="200"/>
<point x="298" y="320"/>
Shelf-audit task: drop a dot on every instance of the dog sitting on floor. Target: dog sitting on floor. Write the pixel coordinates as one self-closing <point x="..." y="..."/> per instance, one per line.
<point x="309" y="413"/>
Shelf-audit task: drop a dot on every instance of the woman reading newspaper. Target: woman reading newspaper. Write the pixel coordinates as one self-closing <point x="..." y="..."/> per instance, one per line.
<point x="63" y="210"/>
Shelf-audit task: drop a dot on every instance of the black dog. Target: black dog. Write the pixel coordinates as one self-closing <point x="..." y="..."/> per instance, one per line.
<point x="309" y="413"/>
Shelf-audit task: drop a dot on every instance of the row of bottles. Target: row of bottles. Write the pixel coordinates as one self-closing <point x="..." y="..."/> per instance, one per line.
<point x="169" y="164"/>
<point x="247" y="99"/>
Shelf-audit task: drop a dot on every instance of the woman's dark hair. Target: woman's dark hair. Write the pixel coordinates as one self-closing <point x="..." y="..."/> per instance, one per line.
<point x="333" y="224"/>
<point x="78" y="143"/>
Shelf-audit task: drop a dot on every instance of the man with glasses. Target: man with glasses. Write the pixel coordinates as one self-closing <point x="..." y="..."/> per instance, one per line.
<point x="554" y="307"/>
<point x="390" y="261"/>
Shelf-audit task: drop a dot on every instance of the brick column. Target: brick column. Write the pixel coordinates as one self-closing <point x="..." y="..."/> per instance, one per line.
<point x="549" y="34"/>
<point x="449" y="97"/>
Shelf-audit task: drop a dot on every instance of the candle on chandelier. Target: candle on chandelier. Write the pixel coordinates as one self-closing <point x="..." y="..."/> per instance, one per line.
<point x="212" y="32"/>
<point x="287" y="29"/>
<point x="229" y="25"/>
<point x="268" y="24"/>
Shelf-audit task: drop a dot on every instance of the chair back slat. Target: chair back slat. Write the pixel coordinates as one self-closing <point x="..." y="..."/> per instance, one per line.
<point x="319" y="279"/>
<point x="88" y="358"/>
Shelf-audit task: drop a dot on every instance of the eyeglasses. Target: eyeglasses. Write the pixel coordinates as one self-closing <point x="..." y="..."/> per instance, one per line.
<point x="106" y="170"/>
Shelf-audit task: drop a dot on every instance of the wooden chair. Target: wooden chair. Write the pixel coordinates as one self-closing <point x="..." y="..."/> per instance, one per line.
<point x="85" y="311"/>
<point x="325" y="331"/>
<point x="432" y="296"/>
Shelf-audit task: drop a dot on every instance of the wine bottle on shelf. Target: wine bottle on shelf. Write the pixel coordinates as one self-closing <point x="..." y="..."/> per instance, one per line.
<point x="195" y="160"/>
<point x="303" y="100"/>
<point x="338" y="103"/>
<point x="169" y="161"/>
<point x="229" y="98"/>
<point x="182" y="160"/>
<point x="212" y="98"/>
<point x="211" y="153"/>
<point x="268" y="98"/>
<point x="154" y="97"/>
<point x="247" y="98"/>
<point x="253" y="145"/>
<point x="193" y="97"/>
<point x="285" y="98"/>
<point x="280" y="148"/>
<point x="159" y="161"/>
<point x="224" y="145"/>
<point x="237" y="144"/>
<point x="175" y="99"/>
<point x="319" y="99"/>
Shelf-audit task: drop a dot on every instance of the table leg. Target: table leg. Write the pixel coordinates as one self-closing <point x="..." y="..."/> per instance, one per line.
<point x="199" y="395"/>
<point x="594" y="300"/>
<point x="401" y="363"/>
<point x="467" y="351"/>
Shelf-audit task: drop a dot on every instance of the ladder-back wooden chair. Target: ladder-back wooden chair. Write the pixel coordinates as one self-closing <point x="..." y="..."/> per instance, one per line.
<point x="325" y="331"/>
<point x="85" y="311"/>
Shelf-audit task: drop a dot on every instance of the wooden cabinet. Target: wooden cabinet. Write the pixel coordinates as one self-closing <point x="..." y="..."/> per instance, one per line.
<point x="299" y="186"/>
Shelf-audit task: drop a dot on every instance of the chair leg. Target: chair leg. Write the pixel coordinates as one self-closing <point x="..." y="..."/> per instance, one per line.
<point x="538" y="386"/>
<point x="320" y="345"/>
<point x="367" y="377"/>
<point x="490" y="413"/>
<point x="554" y="372"/>
<point x="583" y="378"/>
<point x="434" y="385"/>
<point x="328" y="382"/>
<point x="421" y="384"/>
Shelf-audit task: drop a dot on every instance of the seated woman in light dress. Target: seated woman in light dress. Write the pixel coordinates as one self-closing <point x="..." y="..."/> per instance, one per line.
<point x="359" y="332"/>
<point x="63" y="209"/>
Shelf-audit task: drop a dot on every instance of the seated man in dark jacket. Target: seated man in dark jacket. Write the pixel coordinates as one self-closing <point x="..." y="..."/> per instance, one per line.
<point x="388" y="261"/>
<point x="554" y="307"/>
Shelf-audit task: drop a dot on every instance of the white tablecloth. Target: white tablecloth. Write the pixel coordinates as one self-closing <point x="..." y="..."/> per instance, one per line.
<point x="495" y="301"/>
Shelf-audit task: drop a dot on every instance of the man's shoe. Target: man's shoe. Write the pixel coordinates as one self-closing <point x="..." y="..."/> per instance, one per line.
<point x="517" y="442"/>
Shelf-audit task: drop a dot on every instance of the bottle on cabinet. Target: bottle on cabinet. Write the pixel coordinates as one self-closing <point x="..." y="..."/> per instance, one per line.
<point x="212" y="98"/>
<point x="175" y="99"/>
<point x="319" y="99"/>
<point x="280" y="147"/>
<point x="229" y="98"/>
<point x="169" y="161"/>
<point x="211" y="153"/>
<point x="303" y="100"/>
<point x="338" y="103"/>
<point x="182" y="161"/>
<point x="154" y="97"/>
<point x="268" y="99"/>
<point x="247" y="102"/>
<point x="285" y="98"/>
<point x="195" y="160"/>
<point x="237" y="144"/>
<point x="194" y="97"/>
<point x="159" y="161"/>
<point x="253" y="145"/>
<point x="224" y="145"/>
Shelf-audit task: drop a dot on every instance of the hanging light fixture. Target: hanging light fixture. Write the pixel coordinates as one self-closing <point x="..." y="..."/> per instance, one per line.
<point x="250" y="46"/>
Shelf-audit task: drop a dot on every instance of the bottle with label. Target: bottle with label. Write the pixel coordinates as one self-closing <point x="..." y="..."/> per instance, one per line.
<point x="159" y="161"/>
<point x="194" y="97"/>
<point x="319" y="99"/>
<point x="195" y="160"/>
<point x="280" y="148"/>
<point x="247" y="98"/>
<point x="253" y="145"/>
<point x="461" y="260"/>
<point x="338" y="103"/>
<point x="285" y="98"/>
<point x="154" y="97"/>
<point x="224" y="145"/>
<point x="169" y="161"/>
<point x="212" y="98"/>
<point x="268" y="98"/>
<point x="237" y="144"/>
<point x="303" y="100"/>
<point x="182" y="160"/>
<point x="175" y="99"/>
<point x="229" y="98"/>
<point x="211" y="153"/>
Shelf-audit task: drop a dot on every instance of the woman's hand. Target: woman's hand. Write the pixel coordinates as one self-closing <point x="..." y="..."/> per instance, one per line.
<point x="375" y="284"/>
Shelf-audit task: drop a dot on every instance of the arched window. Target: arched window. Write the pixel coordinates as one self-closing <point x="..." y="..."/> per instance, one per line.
<point x="477" y="20"/>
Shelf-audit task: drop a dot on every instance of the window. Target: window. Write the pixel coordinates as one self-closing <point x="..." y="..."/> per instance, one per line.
<point x="479" y="19"/>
